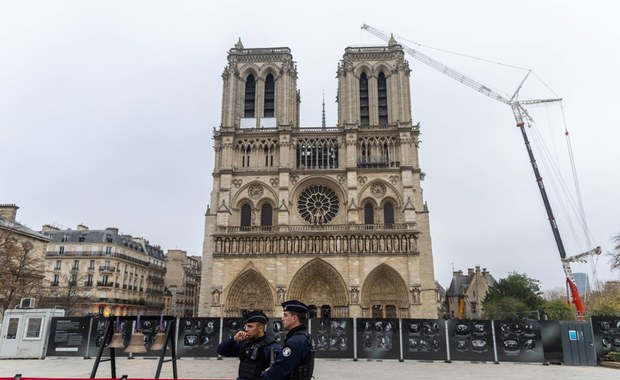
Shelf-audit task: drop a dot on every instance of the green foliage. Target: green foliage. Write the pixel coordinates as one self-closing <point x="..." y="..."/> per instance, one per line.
<point x="605" y="301"/>
<point x="614" y="356"/>
<point x="605" y="311"/>
<point x="514" y="297"/>
<point x="559" y="310"/>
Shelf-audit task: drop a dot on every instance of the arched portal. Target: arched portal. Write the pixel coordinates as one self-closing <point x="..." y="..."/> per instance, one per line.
<point x="384" y="292"/>
<point x="249" y="291"/>
<point x="320" y="285"/>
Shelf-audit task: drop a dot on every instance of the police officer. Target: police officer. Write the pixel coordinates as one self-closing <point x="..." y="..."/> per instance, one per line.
<point x="297" y="359"/>
<point x="255" y="349"/>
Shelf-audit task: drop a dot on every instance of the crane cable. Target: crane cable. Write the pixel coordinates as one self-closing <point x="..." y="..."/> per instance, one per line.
<point x="559" y="185"/>
<point x="553" y="167"/>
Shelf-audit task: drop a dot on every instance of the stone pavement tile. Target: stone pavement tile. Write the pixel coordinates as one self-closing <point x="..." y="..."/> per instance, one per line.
<point x="325" y="369"/>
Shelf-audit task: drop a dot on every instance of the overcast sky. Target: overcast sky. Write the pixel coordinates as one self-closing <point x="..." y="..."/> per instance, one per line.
<point x="107" y="110"/>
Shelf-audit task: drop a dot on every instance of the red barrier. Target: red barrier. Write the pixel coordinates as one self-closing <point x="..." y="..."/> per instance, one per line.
<point x="20" y="377"/>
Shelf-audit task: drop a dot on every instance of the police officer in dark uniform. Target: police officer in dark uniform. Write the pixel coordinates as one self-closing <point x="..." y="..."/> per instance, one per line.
<point x="256" y="350"/>
<point x="296" y="361"/>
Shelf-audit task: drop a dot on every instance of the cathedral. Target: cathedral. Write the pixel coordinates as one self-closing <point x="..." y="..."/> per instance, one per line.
<point x="331" y="216"/>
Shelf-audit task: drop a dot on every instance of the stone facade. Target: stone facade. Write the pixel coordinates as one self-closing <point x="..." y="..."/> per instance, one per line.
<point x="466" y="293"/>
<point x="19" y="243"/>
<point x="113" y="273"/>
<point x="332" y="216"/>
<point x="183" y="282"/>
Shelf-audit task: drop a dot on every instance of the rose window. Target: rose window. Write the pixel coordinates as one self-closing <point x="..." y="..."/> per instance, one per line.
<point x="255" y="191"/>
<point x="378" y="190"/>
<point x="318" y="204"/>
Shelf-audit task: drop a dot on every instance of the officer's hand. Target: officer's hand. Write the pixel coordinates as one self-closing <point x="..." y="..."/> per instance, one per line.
<point x="240" y="336"/>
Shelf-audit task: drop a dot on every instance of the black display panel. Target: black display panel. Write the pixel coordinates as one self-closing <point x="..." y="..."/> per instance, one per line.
<point x="332" y="338"/>
<point x="470" y="340"/>
<point x="198" y="337"/>
<point x="68" y="336"/>
<point x="424" y="339"/>
<point x="378" y="338"/>
<point x="552" y="341"/>
<point x="275" y="329"/>
<point x="606" y="335"/>
<point x="519" y="341"/>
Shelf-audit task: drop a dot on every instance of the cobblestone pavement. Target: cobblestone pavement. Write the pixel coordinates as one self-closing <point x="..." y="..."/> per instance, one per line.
<point x="325" y="369"/>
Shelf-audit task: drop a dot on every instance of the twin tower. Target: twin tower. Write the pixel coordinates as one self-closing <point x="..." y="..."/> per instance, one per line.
<point x="331" y="216"/>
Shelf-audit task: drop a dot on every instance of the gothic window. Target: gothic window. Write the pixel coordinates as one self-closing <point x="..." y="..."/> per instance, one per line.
<point x="246" y="215"/>
<point x="250" y="96"/>
<point x="266" y="215"/>
<point x="369" y="215"/>
<point x="382" y="98"/>
<point x="390" y="311"/>
<point x="326" y="311"/>
<point x="269" y="96"/>
<point x="364" y="115"/>
<point x="317" y="153"/>
<point x="245" y="159"/>
<point x="383" y="311"/>
<point x="311" y="311"/>
<point x="388" y="214"/>
<point x="385" y="153"/>
<point x="377" y="311"/>
<point x="318" y="204"/>
<point x="268" y="156"/>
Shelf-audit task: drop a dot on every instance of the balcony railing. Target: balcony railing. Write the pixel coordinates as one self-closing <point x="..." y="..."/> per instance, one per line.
<point x="315" y="229"/>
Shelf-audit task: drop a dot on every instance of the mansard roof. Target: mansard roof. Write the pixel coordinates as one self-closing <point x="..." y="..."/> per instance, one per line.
<point x="20" y="229"/>
<point x="107" y="236"/>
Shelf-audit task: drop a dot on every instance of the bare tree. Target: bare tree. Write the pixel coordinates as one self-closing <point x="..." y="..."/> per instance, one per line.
<point x="71" y="295"/>
<point x="21" y="269"/>
<point x="614" y="262"/>
<point x="556" y="294"/>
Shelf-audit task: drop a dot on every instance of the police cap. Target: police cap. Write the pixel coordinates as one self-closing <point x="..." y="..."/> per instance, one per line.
<point x="256" y="316"/>
<point x="295" y="306"/>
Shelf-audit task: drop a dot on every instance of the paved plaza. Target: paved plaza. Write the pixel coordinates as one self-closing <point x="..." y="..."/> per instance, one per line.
<point x="325" y="369"/>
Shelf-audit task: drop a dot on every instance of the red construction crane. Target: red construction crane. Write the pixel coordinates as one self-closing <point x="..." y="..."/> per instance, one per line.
<point x="520" y="114"/>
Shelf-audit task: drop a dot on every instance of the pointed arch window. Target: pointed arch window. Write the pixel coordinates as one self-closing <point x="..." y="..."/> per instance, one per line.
<point x="266" y="215"/>
<point x="246" y="216"/>
<point x="369" y="214"/>
<point x="388" y="214"/>
<point x="270" y="96"/>
<point x="250" y="96"/>
<point x="364" y="114"/>
<point x="268" y="155"/>
<point x="326" y="311"/>
<point x="382" y="99"/>
<point x="312" y="311"/>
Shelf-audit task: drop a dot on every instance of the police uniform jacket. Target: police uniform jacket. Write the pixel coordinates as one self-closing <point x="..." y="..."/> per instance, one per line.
<point x="295" y="350"/>
<point x="229" y="347"/>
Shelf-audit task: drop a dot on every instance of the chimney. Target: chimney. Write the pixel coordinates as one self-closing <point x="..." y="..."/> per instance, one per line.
<point x="8" y="212"/>
<point x="457" y="273"/>
<point x="470" y="271"/>
<point x="111" y="230"/>
<point x="49" y="227"/>
<point x="82" y="227"/>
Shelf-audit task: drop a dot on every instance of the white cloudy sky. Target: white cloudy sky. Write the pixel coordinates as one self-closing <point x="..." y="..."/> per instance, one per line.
<point x="107" y="110"/>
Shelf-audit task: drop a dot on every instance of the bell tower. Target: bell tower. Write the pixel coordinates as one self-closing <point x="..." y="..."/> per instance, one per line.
<point x="330" y="215"/>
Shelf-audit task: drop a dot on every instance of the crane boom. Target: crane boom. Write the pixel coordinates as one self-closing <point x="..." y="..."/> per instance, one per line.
<point x="441" y="67"/>
<point x="520" y="114"/>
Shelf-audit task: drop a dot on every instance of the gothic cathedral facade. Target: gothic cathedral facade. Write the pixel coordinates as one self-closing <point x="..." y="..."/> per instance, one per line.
<point x="331" y="216"/>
